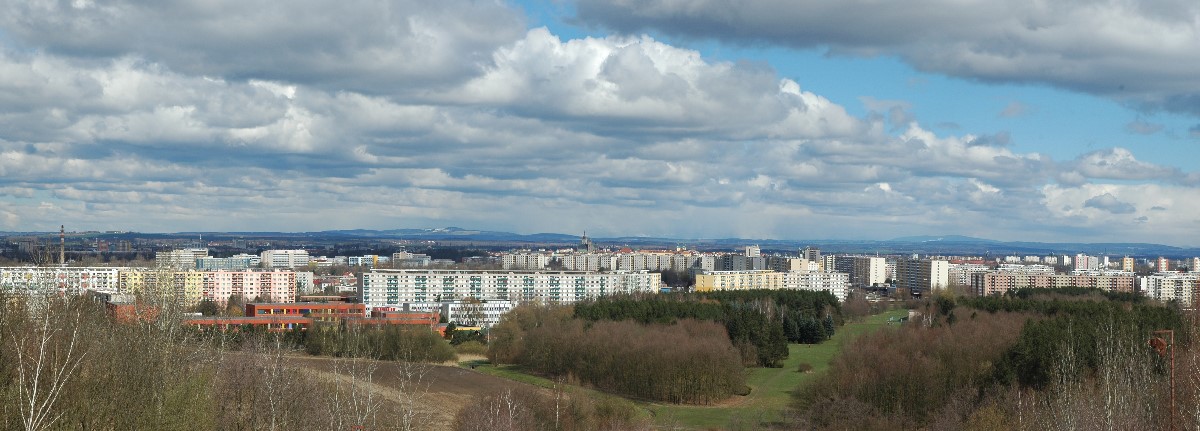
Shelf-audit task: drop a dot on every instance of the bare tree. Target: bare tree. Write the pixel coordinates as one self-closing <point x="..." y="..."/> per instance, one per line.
<point x="47" y="356"/>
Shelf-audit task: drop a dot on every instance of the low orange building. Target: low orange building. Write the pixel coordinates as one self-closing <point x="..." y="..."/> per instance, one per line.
<point x="319" y="311"/>
<point x="271" y="323"/>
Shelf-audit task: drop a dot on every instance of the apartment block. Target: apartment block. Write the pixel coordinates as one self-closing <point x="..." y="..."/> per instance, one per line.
<point x="1182" y="287"/>
<point x="382" y="287"/>
<point x="284" y="258"/>
<point x="922" y="276"/>
<point x="867" y="271"/>
<point x="999" y="282"/>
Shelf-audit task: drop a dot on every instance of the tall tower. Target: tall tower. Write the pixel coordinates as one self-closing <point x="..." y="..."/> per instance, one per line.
<point x="62" y="244"/>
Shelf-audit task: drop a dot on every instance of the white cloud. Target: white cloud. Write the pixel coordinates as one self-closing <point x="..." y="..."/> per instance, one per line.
<point x="627" y="134"/>
<point x="373" y="47"/>
<point x="1140" y="52"/>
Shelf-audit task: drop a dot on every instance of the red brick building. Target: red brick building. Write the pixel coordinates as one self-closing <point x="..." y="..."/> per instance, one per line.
<point x="319" y="311"/>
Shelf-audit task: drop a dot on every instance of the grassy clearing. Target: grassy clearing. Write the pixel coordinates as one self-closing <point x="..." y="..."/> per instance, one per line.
<point x="511" y="372"/>
<point x="771" y="388"/>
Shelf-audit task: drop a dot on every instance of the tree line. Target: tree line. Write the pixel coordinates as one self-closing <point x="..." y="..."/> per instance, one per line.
<point x="1031" y="359"/>
<point x="690" y="361"/>
<point x="760" y="323"/>
<point x="381" y="342"/>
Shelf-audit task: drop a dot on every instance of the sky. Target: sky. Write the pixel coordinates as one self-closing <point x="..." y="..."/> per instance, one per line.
<point x="798" y="119"/>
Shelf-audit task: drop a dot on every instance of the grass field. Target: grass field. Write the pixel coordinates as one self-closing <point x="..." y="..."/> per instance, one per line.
<point x="771" y="388"/>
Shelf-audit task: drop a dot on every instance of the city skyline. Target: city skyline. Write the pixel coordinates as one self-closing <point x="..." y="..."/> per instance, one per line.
<point x="784" y="120"/>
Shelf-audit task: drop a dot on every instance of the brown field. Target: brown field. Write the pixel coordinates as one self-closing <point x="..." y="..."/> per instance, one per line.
<point x="442" y="390"/>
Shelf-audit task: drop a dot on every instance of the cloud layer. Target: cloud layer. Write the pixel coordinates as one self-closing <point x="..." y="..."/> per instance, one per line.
<point x="254" y="116"/>
<point x="1143" y="53"/>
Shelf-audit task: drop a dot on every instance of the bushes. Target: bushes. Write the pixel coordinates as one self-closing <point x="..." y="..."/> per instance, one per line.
<point x="690" y="361"/>
<point x="759" y="322"/>
<point x="528" y="410"/>
<point x="471" y="348"/>
<point x="1035" y="359"/>
<point x="388" y="343"/>
<point x="908" y="373"/>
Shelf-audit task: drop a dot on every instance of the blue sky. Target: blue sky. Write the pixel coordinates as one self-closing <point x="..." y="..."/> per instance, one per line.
<point x="768" y="119"/>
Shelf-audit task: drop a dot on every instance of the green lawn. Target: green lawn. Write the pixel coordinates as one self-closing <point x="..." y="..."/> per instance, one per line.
<point x="771" y="388"/>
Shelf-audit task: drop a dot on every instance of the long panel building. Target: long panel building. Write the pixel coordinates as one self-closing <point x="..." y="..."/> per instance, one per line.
<point x="837" y="283"/>
<point x="189" y="287"/>
<point x="999" y="282"/>
<point x="383" y="286"/>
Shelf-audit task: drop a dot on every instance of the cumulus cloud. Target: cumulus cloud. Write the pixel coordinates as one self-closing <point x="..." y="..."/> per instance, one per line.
<point x="525" y="132"/>
<point x="374" y="47"/>
<point x="1139" y="52"/>
<point x="1108" y="202"/>
<point x="1116" y="164"/>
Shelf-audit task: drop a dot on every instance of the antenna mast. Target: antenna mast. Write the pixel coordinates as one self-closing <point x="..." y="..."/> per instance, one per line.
<point x="62" y="245"/>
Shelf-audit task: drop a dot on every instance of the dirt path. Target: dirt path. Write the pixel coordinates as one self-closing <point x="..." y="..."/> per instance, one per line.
<point x="443" y="390"/>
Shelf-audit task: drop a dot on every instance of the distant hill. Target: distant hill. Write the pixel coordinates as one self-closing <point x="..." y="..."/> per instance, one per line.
<point x="943" y="238"/>
<point x="925" y="244"/>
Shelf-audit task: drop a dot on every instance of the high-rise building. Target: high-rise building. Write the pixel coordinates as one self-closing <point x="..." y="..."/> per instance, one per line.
<point x="1162" y="264"/>
<point x="811" y="253"/>
<point x="1127" y="264"/>
<point x="868" y="271"/>
<point x="922" y="276"/>
<point x="753" y="251"/>
<point x="1084" y="262"/>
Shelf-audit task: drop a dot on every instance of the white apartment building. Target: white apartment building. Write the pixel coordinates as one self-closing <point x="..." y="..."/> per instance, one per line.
<point x="1182" y="287"/>
<point x="922" y="276"/>
<point x="284" y="258"/>
<point x="837" y="283"/>
<point x="189" y="287"/>
<point x="180" y="260"/>
<point x="960" y="273"/>
<point x="369" y="260"/>
<point x="381" y="287"/>
<point x="1030" y="269"/>
<point x="467" y="313"/>
<point x="71" y="280"/>
<point x="629" y="261"/>
<point x="525" y="261"/>
<point x="868" y="271"/>
<point x="305" y="282"/>
<point x="234" y="263"/>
